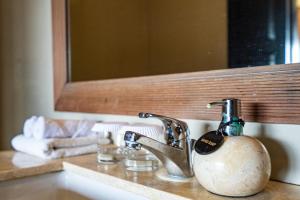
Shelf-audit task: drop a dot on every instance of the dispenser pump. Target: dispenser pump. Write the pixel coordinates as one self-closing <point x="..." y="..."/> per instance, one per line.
<point x="231" y="124"/>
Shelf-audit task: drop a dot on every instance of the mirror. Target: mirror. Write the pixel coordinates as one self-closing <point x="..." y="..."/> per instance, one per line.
<point x="115" y="38"/>
<point x="269" y="94"/>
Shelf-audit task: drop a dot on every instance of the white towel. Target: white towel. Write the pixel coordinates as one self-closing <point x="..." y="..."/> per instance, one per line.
<point x="78" y="128"/>
<point x="57" y="148"/>
<point x="29" y="125"/>
<point x="110" y="127"/>
<point x="155" y="132"/>
<point x="41" y="127"/>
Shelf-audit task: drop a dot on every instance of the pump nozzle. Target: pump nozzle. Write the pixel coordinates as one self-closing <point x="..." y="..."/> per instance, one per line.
<point x="220" y="103"/>
<point x="231" y="123"/>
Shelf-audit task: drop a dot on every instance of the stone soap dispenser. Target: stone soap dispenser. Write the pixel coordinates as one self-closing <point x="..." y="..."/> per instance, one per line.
<point x="228" y="163"/>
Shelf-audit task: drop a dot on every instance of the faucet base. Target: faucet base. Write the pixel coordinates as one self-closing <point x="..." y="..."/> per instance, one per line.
<point x="164" y="175"/>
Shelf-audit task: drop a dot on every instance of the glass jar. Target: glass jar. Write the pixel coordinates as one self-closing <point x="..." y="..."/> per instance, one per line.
<point x="140" y="160"/>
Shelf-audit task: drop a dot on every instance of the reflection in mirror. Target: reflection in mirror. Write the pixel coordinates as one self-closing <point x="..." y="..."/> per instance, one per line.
<point x="117" y="38"/>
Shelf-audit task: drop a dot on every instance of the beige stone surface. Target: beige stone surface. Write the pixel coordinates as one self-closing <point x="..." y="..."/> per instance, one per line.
<point x="240" y="167"/>
<point x="147" y="184"/>
<point x="16" y="165"/>
<point x="142" y="183"/>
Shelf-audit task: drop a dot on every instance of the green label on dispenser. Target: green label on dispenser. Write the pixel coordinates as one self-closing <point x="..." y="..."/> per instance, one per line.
<point x="233" y="127"/>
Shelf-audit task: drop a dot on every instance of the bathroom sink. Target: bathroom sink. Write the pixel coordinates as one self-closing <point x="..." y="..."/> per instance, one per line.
<point x="61" y="185"/>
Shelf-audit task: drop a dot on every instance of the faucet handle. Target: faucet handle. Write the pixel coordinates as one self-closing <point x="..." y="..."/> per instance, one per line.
<point x="175" y="129"/>
<point x="130" y="140"/>
<point x="167" y="121"/>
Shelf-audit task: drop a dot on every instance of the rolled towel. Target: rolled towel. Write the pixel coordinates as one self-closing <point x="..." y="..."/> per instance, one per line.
<point x="49" y="128"/>
<point x="28" y="126"/>
<point x="57" y="148"/>
<point x="42" y="127"/>
<point x="84" y="128"/>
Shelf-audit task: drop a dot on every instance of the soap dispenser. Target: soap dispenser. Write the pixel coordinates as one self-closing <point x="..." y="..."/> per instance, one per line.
<point x="228" y="163"/>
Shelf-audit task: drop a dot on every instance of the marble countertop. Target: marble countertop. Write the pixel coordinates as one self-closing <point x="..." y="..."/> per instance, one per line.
<point x="16" y="165"/>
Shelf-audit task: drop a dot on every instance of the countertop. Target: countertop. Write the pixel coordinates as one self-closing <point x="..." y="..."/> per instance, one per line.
<point x="16" y="165"/>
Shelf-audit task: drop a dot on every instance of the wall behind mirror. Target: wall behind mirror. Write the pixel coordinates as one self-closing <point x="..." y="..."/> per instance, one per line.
<point x="116" y="38"/>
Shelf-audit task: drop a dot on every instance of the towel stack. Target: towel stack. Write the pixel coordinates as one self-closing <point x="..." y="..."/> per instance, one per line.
<point x="112" y="128"/>
<point x="51" y="139"/>
<point x="150" y="130"/>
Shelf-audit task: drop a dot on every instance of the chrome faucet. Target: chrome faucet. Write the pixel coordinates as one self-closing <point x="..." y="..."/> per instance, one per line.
<point x="176" y="154"/>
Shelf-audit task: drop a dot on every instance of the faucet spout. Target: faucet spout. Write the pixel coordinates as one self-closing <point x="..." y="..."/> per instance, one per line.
<point x="176" y="160"/>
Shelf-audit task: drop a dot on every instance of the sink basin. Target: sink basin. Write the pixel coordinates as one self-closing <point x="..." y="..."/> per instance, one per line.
<point x="61" y="185"/>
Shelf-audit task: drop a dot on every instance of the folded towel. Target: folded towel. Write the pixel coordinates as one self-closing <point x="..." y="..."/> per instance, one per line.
<point x="57" y="148"/>
<point x="79" y="128"/>
<point x="109" y="127"/>
<point x="149" y="130"/>
<point x="41" y="127"/>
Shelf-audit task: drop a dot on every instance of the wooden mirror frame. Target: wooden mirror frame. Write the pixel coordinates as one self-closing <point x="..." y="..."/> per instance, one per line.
<point x="269" y="94"/>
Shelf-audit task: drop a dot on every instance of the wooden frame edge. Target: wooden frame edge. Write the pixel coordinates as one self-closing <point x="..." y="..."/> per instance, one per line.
<point x="59" y="48"/>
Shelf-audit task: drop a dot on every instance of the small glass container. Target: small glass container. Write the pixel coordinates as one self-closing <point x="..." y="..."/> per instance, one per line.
<point x="106" y="152"/>
<point x="140" y="160"/>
